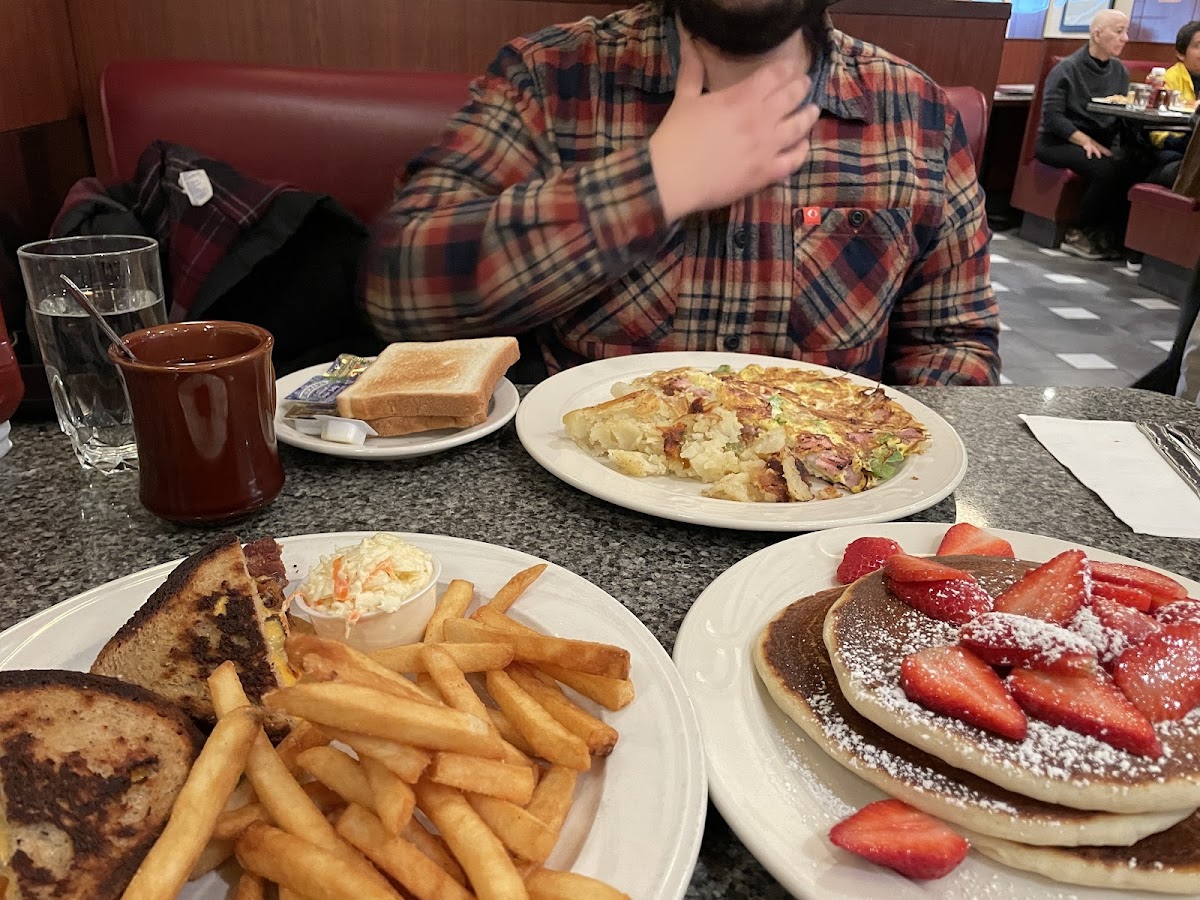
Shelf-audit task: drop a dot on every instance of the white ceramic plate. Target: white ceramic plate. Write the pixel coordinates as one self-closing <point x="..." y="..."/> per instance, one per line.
<point x="504" y="403"/>
<point x="638" y="816"/>
<point x="924" y="479"/>
<point x="777" y="789"/>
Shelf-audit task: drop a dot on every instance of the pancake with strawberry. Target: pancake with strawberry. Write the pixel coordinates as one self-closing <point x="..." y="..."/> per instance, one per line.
<point x="794" y="666"/>
<point x="1168" y="862"/>
<point x="1059" y="728"/>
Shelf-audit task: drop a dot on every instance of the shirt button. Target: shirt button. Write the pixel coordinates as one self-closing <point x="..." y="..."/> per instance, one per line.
<point x="732" y="342"/>
<point x="857" y="218"/>
<point x="739" y="238"/>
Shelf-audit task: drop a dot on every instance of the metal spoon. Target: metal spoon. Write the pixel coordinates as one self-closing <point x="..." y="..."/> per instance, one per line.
<point x="86" y="302"/>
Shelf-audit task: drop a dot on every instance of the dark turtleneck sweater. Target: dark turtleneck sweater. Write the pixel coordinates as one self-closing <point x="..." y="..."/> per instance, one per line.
<point x="1069" y="87"/>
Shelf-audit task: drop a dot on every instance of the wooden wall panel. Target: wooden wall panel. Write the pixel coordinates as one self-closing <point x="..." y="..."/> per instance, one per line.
<point x="37" y="64"/>
<point x="1020" y="61"/>
<point x="457" y="35"/>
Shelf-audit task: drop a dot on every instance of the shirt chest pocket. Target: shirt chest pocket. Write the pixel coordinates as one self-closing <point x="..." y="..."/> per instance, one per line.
<point x="849" y="267"/>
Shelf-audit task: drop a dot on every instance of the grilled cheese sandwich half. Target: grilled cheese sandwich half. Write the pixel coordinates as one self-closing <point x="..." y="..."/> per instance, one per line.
<point x="219" y="604"/>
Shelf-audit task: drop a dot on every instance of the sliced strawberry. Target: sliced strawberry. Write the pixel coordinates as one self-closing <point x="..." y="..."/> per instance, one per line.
<point x="1109" y="642"/>
<point x="893" y="834"/>
<point x="957" y="602"/>
<point x="1161" y="675"/>
<point x="1161" y="588"/>
<point x="1053" y="592"/>
<point x="1092" y="706"/>
<point x="965" y="538"/>
<point x="1126" y="595"/>
<point x="903" y="567"/>
<point x="1179" y="611"/>
<point x="1002" y="639"/>
<point x="864" y="556"/>
<point x="1134" y="625"/>
<point x="956" y="683"/>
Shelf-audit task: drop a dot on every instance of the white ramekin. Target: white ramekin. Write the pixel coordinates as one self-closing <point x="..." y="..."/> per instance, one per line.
<point x="378" y="630"/>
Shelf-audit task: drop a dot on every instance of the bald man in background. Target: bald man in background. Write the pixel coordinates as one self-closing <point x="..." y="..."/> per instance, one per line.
<point x="1085" y="142"/>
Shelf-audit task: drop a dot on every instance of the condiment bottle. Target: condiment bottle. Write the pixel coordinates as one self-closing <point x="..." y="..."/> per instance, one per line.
<point x="1157" y="79"/>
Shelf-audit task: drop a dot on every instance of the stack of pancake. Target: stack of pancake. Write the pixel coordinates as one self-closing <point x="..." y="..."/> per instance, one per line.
<point x="1059" y="803"/>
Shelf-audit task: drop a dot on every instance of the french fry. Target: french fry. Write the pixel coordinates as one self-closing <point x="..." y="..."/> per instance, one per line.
<point x="339" y="772"/>
<point x="277" y="789"/>
<point x="452" y="684"/>
<point x="342" y="661"/>
<point x="508" y="731"/>
<point x="392" y="798"/>
<point x="599" y="737"/>
<point x="302" y="736"/>
<point x="242" y="794"/>
<point x="435" y="850"/>
<point x="481" y="854"/>
<point x="353" y="707"/>
<point x="546" y="884"/>
<point x="468" y="657"/>
<point x="587" y="657"/>
<point x="233" y="822"/>
<point x="415" y="872"/>
<point x="545" y="735"/>
<point x="515" y="587"/>
<point x="553" y="796"/>
<point x="212" y="779"/>
<point x="483" y="776"/>
<point x="525" y="835"/>
<point x="453" y="604"/>
<point x="249" y="887"/>
<point x="323" y="797"/>
<point x="611" y="693"/>
<point x="215" y="853"/>
<point x="309" y="869"/>
<point x="406" y="761"/>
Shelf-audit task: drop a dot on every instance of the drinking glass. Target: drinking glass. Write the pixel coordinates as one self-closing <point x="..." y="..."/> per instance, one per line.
<point x="122" y="276"/>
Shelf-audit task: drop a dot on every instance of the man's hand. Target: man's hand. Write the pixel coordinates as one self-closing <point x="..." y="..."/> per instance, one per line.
<point x="1092" y="148"/>
<point x="713" y="149"/>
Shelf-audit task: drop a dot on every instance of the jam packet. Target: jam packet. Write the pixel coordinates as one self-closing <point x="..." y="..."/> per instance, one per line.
<point x="318" y="395"/>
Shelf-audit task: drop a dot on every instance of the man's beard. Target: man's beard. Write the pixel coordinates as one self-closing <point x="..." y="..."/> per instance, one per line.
<point x="748" y="27"/>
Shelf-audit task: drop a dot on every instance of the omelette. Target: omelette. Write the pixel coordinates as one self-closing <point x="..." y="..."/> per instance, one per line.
<point x="761" y="434"/>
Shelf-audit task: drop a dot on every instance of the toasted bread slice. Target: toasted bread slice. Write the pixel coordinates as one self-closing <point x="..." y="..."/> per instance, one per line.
<point x="395" y="426"/>
<point x="443" y="379"/>
<point x="208" y="610"/>
<point x="89" y="770"/>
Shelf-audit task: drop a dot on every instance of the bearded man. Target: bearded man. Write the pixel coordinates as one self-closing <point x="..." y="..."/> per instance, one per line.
<point x="728" y="175"/>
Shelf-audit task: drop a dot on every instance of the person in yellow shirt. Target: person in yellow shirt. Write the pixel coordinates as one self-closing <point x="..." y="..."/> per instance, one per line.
<point x="1184" y="77"/>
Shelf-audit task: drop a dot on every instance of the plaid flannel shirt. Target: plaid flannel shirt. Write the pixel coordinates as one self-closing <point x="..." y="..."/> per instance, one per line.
<point x="539" y="210"/>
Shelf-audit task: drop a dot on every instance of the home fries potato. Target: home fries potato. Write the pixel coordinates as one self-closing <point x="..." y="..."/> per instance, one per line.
<point x="442" y="770"/>
<point x="759" y="434"/>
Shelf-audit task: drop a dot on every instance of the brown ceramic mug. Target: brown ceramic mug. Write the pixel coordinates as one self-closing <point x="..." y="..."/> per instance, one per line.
<point x="203" y="401"/>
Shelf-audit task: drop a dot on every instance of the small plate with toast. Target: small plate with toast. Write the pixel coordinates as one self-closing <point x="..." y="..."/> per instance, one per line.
<point x="443" y="402"/>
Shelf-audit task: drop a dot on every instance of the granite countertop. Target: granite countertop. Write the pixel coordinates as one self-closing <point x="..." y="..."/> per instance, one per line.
<point x="65" y="530"/>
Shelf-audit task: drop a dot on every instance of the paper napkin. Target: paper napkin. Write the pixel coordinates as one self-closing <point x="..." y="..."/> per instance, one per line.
<point x="1120" y="464"/>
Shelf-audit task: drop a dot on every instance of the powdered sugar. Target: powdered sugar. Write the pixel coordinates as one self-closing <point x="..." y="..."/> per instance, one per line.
<point x="1109" y="642"/>
<point x="875" y="634"/>
<point x="1047" y="641"/>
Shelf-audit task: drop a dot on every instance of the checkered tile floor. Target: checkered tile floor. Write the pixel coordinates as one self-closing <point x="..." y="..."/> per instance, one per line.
<point x="1067" y="321"/>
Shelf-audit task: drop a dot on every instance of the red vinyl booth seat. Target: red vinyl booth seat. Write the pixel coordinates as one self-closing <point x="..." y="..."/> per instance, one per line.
<point x="972" y="106"/>
<point x="346" y="133"/>
<point x="343" y="132"/>
<point x="1164" y="225"/>
<point x="1044" y="191"/>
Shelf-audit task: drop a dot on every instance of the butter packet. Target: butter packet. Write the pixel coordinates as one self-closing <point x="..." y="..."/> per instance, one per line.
<point x="318" y="395"/>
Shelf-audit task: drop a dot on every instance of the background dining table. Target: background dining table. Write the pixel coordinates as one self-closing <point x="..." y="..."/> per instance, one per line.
<point x="65" y="530"/>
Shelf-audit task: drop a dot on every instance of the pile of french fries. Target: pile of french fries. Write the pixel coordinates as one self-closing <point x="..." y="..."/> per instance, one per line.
<point x="464" y="752"/>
